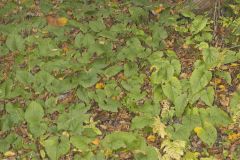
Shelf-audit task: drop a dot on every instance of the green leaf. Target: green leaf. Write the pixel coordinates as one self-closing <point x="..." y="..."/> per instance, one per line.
<point x="14" y="116"/>
<point x="123" y="140"/>
<point x="235" y="104"/>
<point x="207" y="96"/>
<point x="78" y="40"/>
<point x="82" y="94"/>
<point x="207" y="133"/>
<point x="190" y="120"/>
<point x="113" y="70"/>
<point x="42" y="80"/>
<point x="218" y="117"/>
<point x="72" y="121"/>
<point x="211" y="57"/>
<point x="3" y="51"/>
<point x="24" y="77"/>
<point x="137" y="13"/>
<point x="172" y="88"/>
<point x="88" y="40"/>
<point x="180" y="132"/>
<point x="139" y="122"/>
<point x="34" y="113"/>
<point x="225" y="75"/>
<point x="177" y="66"/>
<point x="133" y="50"/>
<point x="198" y="24"/>
<point x="56" y="147"/>
<point x="155" y="57"/>
<point x="148" y="153"/>
<point x="37" y="129"/>
<point x="47" y="48"/>
<point x="130" y="69"/>
<point x="164" y="71"/>
<point x="7" y="142"/>
<point x="159" y="33"/>
<point x="149" y="108"/>
<point x="88" y="79"/>
<point x="158" y="94"/>
<point x="180" y="104"/>
<point x="231" y="56"/>
<point x="200" y="78"/>
<point x="80" y="142"/>
<point x="97" y="25"/>
<point x="15" y="42"/>
<point x="109" y="104"/>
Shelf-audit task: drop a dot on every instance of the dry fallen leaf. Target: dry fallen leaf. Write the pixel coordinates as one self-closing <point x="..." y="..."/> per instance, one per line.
<point x="217" y="80"/>
<point x="56" y="21"/>
<point x="234" y="136"/>
<point x="66" y="134"/>
<point x="62" y="21"/>
<point x="151" y="138"/>
<point x="158" y="10"/>
<point x="9" y="154"/>
<point x="96" y="141"/>
<point x="99" y="85"/>
<point x="159" y="127"/>
<point x="222" y="88"/>
<point x="234" y="65"/>
<point x="224" y="100"/>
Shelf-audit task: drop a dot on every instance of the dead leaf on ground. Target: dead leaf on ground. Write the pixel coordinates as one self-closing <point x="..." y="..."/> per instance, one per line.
<point x="56" y="21"/>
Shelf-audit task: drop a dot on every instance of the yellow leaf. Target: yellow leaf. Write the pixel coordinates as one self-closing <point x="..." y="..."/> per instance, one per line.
<point x="96" y="141"/>
<point x="159" y="127"/>
<point x="65" y="133"/>
<point x="108" y="152"/>
<point x="61" y="78"/>
<point x="217" y="80"/>
<point x="234" y="136"/>
<point x="158" y="10"/>
<point x="222" y="87"/>
<point x="234" y="65"/>
<point x="99" y="85"/>
<point x="185" y="46"/>
<point x="198" y="130"/>
<point x="9" y="154"/>
<point x="151" y="138"/>
<point x="42" y="153"/>
<point x="62" y="21"/>
<point x="153" y="68"/>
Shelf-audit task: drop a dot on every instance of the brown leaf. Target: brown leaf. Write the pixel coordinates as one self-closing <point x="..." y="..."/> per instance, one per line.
<point x="56" y="21"/>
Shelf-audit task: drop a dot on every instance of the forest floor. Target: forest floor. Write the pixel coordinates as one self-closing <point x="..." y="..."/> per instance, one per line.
<point x="112" y="79"/>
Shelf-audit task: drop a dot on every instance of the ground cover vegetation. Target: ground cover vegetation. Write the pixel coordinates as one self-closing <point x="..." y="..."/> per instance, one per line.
<point x="112" y="79"/>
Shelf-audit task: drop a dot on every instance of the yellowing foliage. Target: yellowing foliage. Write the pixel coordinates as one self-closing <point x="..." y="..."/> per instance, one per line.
<point x="100" y="85"/>
<point x="158" y="10"/>
<point x="54" y="21"/>
<point x="96" y="141"/>
<point x="159" y="127"/>
<point x="234" y="136"/>
<point x="198" y="130"/>
<point x="62" y="21"/>
<point x="9" y="154"/>
<point x="151" y="138"/>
